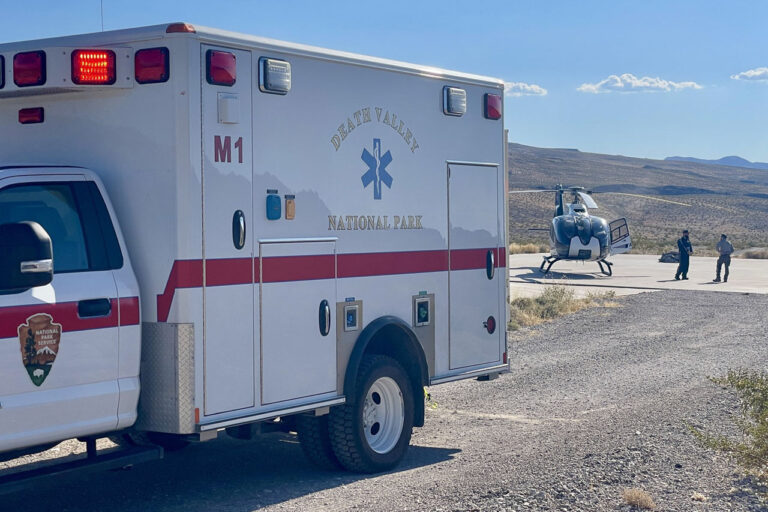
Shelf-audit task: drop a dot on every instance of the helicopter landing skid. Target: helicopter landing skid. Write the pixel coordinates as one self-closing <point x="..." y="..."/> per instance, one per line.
<point x="548" y="262"/>
<point x="607" y="270"/>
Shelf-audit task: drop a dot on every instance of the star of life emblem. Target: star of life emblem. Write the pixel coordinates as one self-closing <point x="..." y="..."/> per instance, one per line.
<point x="377" y="168"/>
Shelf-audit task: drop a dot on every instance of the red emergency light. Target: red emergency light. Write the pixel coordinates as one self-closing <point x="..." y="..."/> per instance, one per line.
<point x="31" y="115"/>
<point x="151" y="65"/>
<point x="29" y="68"/>
<point x="221" y="67"/>
<point x="93" y="67"/>
<point x="493" y="106"/>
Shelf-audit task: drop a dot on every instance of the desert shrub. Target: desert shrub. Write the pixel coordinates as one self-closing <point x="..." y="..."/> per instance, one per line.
<point x="638" y="498"/>
<point x="756" y="253"/>
<point x="751" y="450"/>
<point x="527" y="248"/>
<point x="553" y="302"/>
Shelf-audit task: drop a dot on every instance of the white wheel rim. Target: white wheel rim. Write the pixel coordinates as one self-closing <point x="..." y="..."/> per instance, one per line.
<point x="383" y="415"/>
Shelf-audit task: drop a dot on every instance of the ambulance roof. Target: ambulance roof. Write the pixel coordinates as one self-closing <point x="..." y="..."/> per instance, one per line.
<point x="234" y="39"/>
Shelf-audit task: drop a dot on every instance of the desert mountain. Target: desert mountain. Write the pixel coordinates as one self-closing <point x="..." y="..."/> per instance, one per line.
<point x="729" y="161"/>
<point x="733" y="202"/>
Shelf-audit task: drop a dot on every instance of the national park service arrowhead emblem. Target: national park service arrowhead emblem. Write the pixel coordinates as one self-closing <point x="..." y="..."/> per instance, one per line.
<point x="39" y="339"/>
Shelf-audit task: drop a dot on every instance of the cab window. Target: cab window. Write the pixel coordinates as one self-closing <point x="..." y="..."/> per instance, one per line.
<point x="53" y="206"/>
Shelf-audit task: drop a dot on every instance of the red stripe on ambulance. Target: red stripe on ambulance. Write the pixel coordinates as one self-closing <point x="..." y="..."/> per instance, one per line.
<point x="65" y="313"/>
<point x="234" y="271"/>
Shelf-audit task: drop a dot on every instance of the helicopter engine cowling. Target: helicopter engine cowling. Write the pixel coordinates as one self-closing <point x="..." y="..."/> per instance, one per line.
<point x="580" y="237"/>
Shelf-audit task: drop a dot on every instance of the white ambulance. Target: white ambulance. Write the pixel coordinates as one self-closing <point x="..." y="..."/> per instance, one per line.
<point x="203" y="231"/>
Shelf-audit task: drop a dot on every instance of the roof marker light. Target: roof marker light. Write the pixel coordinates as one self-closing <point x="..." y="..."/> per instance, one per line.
<point x="93" y="67"/>
<point x="176" y="28"/>
<point x="221" y="68"/>
<point x="31" y="115"/>
<point x="151" y="65"/>
<point x="454" y="101"/>
<point x="29" y="68"/>
<point x="493" y="106"/>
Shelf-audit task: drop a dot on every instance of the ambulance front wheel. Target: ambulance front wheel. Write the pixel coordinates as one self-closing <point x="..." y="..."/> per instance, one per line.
<point x="372" y="433"/>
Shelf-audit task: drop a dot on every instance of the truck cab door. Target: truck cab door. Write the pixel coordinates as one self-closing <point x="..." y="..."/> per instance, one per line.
<point x="59" y="343"/>
<point x="620" y="240"/>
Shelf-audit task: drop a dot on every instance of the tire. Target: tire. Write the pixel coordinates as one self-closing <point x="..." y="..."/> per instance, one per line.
<point x="371" y="433"/>
<point x="316" y="442"/>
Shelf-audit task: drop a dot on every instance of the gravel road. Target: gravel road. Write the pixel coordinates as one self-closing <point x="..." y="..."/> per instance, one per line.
<point x="596" y="403"/>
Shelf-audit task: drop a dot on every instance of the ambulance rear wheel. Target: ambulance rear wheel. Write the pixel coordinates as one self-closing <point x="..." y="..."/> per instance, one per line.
<point x="316" y="441"/>
<point x="371" y="433"/>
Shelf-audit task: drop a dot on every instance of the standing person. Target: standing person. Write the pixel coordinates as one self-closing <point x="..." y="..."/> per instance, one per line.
<point x="686" y="249"/>
<point x="725" y="249"/>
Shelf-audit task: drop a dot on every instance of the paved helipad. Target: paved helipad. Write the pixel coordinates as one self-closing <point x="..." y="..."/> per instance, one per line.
<point x="635" y="274"/>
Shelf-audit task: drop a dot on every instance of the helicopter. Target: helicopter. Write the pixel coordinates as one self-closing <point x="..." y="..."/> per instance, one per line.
<point x="575" y="235"/>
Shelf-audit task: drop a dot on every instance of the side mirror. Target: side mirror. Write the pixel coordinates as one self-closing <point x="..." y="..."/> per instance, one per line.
<point x="26" y="257"/>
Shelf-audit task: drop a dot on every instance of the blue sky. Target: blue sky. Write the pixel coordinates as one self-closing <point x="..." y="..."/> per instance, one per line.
<point x="647" y="78"/>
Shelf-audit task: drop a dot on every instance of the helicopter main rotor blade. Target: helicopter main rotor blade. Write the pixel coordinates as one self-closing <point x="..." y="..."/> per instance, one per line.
<point x="587" y="199"/>
<point x="530" y="191"/>
<point x="647" y="197"/>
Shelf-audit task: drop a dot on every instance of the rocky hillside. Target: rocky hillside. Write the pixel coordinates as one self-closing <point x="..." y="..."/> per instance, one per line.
<point x="718" y="199"/>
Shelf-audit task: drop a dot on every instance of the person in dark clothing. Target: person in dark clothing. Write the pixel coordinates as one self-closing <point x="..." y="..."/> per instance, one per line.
<point x="724" y="249"/>
<point x="686" y="249"/>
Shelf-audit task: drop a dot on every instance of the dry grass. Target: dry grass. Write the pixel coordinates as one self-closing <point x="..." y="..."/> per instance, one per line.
<point x="697" y="496"/>
<point x="553" y="302"/>
<point x="751" y="448"/>
<point x="638" y="498"/>
<point x="527" y="248"/>
<point x="756" y="253"/>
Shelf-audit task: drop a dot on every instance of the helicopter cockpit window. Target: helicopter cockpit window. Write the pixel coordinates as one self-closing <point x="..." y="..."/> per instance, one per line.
<point x="565" y="229"/>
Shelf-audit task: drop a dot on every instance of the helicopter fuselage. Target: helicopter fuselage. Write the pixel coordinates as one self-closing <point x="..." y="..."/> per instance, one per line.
<point x="579" y="236"/>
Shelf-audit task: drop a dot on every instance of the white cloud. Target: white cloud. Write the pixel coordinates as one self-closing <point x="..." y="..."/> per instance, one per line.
<point x="630" y="83"/>
<point x="759" y="74"/>
<point x="523" y="89"/>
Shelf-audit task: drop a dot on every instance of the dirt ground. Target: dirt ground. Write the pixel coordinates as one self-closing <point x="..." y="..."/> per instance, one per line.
<point x="596" y="402"/>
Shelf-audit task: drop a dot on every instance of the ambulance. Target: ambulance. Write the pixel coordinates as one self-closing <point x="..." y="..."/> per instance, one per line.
<point x="204" y="232"/>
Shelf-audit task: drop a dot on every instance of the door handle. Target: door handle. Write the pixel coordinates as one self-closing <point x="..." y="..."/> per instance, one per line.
<point x="93" y="308"/>
<point x="324" y="317"/>
<point x="490" y="264"/>
<point x="238" y="229"/>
